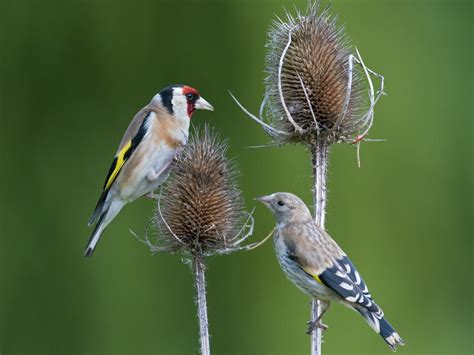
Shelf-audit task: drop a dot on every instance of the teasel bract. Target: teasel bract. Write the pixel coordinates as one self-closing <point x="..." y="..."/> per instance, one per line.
<point x="200" y="212"/>
<point x="315" y="95"/>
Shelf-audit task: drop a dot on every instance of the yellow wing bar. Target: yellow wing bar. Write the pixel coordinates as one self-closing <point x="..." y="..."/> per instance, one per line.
<point x="119" y="161"/>
<point x="316" y="277"/>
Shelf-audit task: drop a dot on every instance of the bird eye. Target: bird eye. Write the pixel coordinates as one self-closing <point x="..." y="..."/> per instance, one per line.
<point x="190" y="96"/>
<point x="281" y="203"/>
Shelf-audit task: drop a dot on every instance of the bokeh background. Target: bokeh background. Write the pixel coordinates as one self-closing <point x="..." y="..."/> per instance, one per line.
<point x="73" y="73"/>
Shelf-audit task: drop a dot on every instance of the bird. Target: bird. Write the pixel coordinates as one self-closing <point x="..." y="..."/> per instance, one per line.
<point x="146" y="153"/>
<point x="316" y="264"/>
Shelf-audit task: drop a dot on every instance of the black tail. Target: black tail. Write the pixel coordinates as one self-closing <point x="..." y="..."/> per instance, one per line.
<point x="98" y="209"/>
<point x="95" y="237"/>
<point x="381" y="326"/>
<point x="389" y="334"/>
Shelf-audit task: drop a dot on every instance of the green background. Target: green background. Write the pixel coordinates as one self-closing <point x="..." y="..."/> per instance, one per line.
<point x="73" y="73"/>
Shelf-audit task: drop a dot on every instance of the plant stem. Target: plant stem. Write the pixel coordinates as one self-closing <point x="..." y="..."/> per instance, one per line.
<point x="199" y="269"/>
<point x="319" y="152"/>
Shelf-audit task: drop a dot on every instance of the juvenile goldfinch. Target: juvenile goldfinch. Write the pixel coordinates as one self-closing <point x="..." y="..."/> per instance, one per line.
<point x="314" y="262"/>
<point x="145" y="154"/>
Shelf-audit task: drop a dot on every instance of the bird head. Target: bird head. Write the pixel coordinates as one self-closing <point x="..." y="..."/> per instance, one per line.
<point x="182" y="100"/>
<point x="286" y="207"/>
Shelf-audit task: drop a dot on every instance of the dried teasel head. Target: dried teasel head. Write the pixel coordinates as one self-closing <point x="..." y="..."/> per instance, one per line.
<point x="201" y="208"/>
<point x="308" y="80"/>
<point x="317" y="92"/>
<point x="313" y="87"/>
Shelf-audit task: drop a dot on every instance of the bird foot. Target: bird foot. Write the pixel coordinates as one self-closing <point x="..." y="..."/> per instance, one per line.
<point x="312" y="325"/>
<point x="152" y="196"/>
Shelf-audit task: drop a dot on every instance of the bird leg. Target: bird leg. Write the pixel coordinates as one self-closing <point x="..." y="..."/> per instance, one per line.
<point x="317" y="322"/>
<point x="153" y="175"/>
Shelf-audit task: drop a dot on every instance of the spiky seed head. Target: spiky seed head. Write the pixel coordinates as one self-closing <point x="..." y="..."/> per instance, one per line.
<point x="317" y="58"/>
<point x="201" y="206"/>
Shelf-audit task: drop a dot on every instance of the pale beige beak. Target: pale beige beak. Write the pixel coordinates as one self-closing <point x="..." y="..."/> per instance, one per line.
<point x="265" y="199"/>
<point x="202" y="104"/>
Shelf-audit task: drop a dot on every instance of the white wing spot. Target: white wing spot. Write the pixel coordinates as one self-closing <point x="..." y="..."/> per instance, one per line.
<point x="346" y="286"/>
<point x="348" y="268"/>
<point x="357" y="276"/>
<point x="376" y="323"/>
<point x="353" y="299"/>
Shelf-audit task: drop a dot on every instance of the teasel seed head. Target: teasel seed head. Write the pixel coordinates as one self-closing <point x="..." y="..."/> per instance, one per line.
<point x="201" y="207"/>
<point x="308" y="72"/>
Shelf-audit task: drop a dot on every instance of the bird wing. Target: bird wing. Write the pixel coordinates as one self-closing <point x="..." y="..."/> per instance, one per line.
<point x="133" y="136"/>
<point x="344" y="279"/>
<point x="354" y="275"/>
<point x="320" y="257"/>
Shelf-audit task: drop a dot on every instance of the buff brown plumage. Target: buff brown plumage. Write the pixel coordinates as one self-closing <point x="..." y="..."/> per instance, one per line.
<point x="316" y="264"/>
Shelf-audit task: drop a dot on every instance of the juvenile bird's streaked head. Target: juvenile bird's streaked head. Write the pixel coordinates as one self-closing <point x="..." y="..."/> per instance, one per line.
<point x="182" y="100"/>
<point x="286" y="207"/>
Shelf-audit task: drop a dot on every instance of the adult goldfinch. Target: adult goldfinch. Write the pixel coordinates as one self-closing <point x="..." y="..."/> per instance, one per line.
<point x="145" y="154"/>
<point x="314" y="262"/>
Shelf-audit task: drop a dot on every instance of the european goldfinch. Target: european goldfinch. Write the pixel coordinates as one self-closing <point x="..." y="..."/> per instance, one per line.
<point x="145" y="154"/>
<point x="314" y="262"/>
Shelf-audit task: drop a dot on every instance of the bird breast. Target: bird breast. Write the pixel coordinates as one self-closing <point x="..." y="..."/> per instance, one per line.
<point x="171" y="131"/>
<point x="296" y="274"/>
<point x="153" y="156"/>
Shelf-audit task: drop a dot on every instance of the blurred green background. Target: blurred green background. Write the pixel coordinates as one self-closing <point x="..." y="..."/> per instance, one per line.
<point x="73" y="73"/>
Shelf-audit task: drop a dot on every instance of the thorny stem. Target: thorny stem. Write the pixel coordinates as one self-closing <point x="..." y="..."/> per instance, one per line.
<point x="199" y="269"/>
<point x="319" y="152"/>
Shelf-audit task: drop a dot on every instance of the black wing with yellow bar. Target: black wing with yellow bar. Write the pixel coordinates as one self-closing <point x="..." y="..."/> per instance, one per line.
<point x="117" y="164"/>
